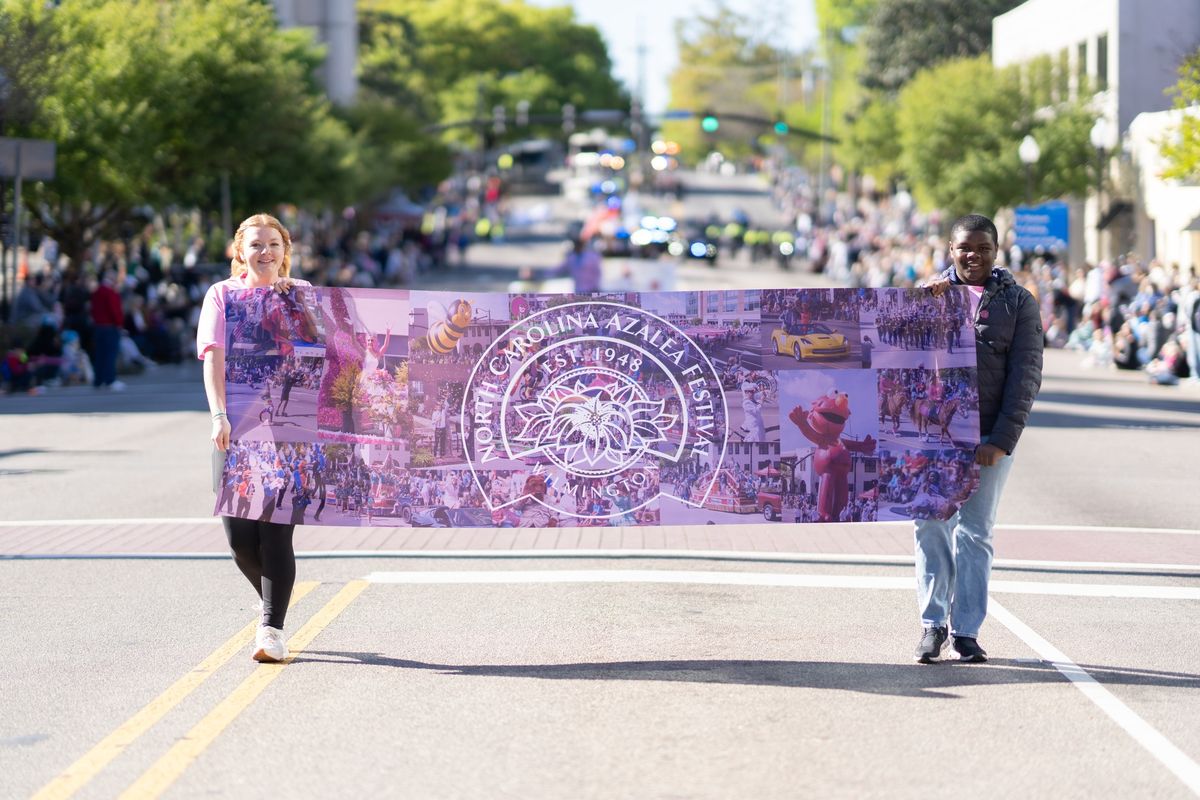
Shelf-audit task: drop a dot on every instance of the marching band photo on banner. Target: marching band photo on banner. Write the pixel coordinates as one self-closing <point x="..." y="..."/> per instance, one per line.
<point x="371" y="407"/>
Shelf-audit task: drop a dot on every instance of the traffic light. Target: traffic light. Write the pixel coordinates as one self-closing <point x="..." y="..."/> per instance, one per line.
<point x="781" y="127"/>
<point x="498" y="126"/>
<point x="568" y="122"/>
<point x="522" y="113"/>
<point x="709" y="122"/>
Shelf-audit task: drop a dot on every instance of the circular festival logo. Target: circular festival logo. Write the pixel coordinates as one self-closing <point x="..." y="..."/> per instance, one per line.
<point x="592" y="399"/>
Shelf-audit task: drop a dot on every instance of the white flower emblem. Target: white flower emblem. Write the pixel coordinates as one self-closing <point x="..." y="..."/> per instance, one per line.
<point x="598" y="425"/>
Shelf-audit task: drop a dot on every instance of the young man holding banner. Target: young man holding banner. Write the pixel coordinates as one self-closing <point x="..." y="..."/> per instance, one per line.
<point x="954" y="556"/>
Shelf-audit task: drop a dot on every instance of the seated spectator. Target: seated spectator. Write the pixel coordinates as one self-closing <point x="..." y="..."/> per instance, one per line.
<point x="32" y="303"/>
<point x="14" y="371"/>
<point x="45" y="353"/>
<point x="1125" y="347"/>
<point x="76" y="367"/>
<point x="130" y="356"/>
<point x="1170" y="366"/>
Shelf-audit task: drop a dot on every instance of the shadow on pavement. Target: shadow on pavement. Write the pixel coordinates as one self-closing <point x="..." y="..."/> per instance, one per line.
<point x="899" y="680"/>
<point x="24" y="451"/>
<point x="693" y="189"/>
<point x="1182" y="405"/>
<point x="1065" y="419"/>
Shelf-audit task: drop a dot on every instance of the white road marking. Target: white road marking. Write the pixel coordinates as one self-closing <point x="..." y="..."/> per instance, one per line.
<point x="641" y="576"/>
<point x="46" y="523"/>
<point x="1128" y="591"/>
<point x="581" y="554"/>
<point x="1174" y="759"/>
<point x="893" y="523"/>
<point x="769" y="579"/>
<point x="899" y="524"/>
<point x="1096" y="529"/>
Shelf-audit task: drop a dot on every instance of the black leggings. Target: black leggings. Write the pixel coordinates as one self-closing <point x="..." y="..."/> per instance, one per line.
<point x="263" y="552"/>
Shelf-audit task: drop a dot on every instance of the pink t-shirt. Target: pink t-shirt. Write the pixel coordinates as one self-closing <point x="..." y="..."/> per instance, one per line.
<point x="976" y="296"/>
<point x="210" y="330"/>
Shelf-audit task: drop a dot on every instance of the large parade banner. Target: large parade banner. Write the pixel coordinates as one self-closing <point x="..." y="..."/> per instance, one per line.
<point x="450" y="409"/>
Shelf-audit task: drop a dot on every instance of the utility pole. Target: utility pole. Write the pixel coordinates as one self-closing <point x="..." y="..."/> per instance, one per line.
<point x="637" y="124"/>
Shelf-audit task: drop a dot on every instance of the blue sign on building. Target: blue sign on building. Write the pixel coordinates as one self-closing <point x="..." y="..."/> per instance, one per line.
<point x="1045" y="225"/>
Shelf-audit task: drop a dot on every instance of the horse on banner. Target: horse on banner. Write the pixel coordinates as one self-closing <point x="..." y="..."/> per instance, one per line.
<point x="930" y="412"/>
<point x="894" y="402"/>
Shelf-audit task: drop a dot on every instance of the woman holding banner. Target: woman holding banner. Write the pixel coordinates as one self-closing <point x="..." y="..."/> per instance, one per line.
<point x="262" y="251"/>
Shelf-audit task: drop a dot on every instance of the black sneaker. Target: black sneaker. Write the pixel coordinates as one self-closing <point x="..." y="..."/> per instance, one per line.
<point x="932" y="642"/>
<point x="968" y="650"/>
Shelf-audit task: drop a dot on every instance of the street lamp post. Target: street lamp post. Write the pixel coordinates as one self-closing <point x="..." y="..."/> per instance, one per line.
<point x="1029" y="153"/>
<point x="1099" y="140"/>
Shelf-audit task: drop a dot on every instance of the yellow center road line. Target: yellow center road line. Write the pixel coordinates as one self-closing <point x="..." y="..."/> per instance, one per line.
<point x="164" y="772"/>
<point x="74" y="777"/>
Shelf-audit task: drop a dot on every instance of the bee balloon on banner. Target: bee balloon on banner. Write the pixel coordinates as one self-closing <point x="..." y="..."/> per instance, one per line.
<point x="447" y="325"/>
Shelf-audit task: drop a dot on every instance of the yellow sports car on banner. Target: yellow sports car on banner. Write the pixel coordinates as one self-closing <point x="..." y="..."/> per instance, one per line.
<point x="817" y="341"/>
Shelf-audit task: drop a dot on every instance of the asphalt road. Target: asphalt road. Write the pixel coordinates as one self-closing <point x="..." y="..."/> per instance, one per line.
<point x="420" y="684"/>
<point x="535" y="242"/>
<point x="681" y="674"/>
<point x="570" y="682"/>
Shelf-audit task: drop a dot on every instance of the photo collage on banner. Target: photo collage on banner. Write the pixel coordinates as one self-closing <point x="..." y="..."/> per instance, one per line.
<point x="451" y="409"/>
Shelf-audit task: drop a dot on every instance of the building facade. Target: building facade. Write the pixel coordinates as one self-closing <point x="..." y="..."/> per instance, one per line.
<point x="1167" y="216"/>
<point x="336" y="26"/>
<point x="727" y="307"/>
<point x="1126" y="54"/>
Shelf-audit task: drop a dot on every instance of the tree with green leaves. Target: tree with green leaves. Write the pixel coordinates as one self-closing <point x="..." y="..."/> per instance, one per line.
<point x="452" y="62"/>
<point x="725" y="67"/>
<point x="153" y="104"/>
<point x="1182" y="150"/>
<point x="899" y="38"/>
<point x="842" y="57"/>
<point x="24" y="42"/>
<point x="255" y="112"/>
<point x="871" y="142"/>
<point x="98" y="106"/>
<point x="960" y="124"/>
<point x="840" y="14"/>
<point x="148" y="103"/>
<point x="903" y="37"/>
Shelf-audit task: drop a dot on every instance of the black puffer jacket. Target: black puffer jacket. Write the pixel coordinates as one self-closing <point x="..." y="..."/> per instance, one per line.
<point x="1008" y="351"/>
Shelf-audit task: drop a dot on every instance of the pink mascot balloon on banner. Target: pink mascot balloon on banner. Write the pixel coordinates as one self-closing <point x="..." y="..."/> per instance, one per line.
<point x="823" y="425"/>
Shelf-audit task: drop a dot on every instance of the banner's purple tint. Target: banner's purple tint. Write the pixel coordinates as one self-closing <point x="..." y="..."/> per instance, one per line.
<point x="449" y="409"/>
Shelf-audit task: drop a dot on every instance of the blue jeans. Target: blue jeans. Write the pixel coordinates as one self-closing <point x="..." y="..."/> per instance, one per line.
<point x="954" y="557"/>
<point x="107" y="340"/>
<point x="1192" y="340"/>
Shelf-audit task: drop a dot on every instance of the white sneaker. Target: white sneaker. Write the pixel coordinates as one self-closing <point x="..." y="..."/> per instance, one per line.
<point x="117" y="386"/>
<point x="269" y="645"/>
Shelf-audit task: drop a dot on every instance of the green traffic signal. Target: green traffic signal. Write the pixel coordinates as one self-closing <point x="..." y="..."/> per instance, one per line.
<point x="709" y="123"/>
<point x="781" y="128"/>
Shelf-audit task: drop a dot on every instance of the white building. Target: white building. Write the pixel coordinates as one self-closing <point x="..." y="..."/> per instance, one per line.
<point x="729" y="307"/>
<point x="1167" y="220"/>
<point x="863" y="476"/>
<point x="1129" y="51"/>
<point x="336" y="25"/>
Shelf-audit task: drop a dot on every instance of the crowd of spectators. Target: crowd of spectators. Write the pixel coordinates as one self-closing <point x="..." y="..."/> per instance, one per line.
<point x="1128" y="313"/>
<point x="131" y="304"/>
